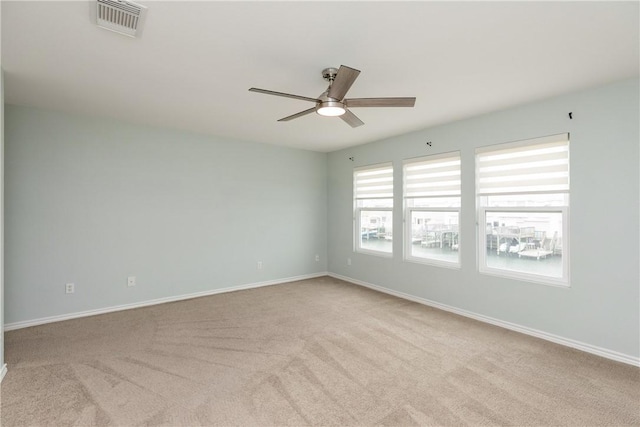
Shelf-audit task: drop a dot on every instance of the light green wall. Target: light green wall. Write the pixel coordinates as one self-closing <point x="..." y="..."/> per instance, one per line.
<point x="1" y="218"/>
<point x="601" y="306"/>
<point x="92" y="201"/>
<point x="1" y="208"/>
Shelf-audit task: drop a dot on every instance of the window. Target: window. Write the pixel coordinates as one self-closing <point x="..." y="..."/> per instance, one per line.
<point x="373" y="219"/>
<point x="432" y="209"/>
<point x="523" y="199"/>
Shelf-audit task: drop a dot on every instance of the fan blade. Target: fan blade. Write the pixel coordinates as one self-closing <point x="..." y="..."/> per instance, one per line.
<point x="344" y="79"/>
<point x="300" y="114"/>
<point x="380" y="102"/>
<point x="286" y="95"/>
<point x="351" y="119"/>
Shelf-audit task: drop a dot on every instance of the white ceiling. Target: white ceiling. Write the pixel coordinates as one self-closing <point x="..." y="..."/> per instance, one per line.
<point x="195" y="62"/>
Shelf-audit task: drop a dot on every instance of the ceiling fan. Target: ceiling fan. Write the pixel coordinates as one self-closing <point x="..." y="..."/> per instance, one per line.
<point x="332" y="102"/>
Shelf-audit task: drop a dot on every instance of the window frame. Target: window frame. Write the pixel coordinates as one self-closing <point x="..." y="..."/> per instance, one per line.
<point x="409" y="209"/>
<point x="358" y="231"/>
<point x="357" y="210"/>
<point x="484" y="206"/>
<point x="519" y="275"/>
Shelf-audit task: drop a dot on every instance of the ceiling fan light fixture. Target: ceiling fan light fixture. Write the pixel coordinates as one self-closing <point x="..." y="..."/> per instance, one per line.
<point x="333" y="102"/>
<point x="331" y="109"/>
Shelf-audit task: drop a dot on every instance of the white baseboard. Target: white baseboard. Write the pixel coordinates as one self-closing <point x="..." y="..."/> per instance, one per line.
<point x="603" y="352"/>
<point x="3" y="372"/>
<point x="69" y="316"/>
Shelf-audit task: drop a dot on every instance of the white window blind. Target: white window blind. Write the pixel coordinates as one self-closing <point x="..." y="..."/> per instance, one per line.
<point x="433" y="176"/>
<point x="374" y="182"/>
<point x="539" y="165"/>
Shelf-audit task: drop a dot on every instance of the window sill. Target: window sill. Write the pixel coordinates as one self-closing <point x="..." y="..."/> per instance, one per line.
<point x="374" y="253"/>
<point x="524" y="277"/>
<point x="433" y="263"/>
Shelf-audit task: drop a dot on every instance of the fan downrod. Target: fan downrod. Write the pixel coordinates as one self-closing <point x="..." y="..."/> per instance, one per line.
<point x="329" y="74"/>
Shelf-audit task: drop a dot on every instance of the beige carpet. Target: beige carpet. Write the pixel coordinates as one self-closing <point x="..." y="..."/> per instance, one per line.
<point x="315" y="352"/>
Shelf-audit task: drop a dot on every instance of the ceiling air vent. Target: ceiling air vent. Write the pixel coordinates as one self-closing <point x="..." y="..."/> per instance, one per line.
<point x="124" y="17"/>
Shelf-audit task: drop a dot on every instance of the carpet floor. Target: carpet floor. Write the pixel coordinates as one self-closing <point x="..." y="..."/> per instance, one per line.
<point x="314" y="352"/>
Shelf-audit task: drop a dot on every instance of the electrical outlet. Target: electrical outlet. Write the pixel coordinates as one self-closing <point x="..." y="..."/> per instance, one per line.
<point x="69" y="288"/>
<point x="131" y="281"/>
<point x="348" y="261"/>
<point x="317" y="257"/>
<point x="259" y="265"/>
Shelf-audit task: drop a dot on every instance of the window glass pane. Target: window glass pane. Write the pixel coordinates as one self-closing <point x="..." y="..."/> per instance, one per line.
<point x="376" y="230"/>
<point x="526" y="242"/>
<point x="374" y="203"/>
<point x="434" y="235"/>
<point x="373" y="195"/>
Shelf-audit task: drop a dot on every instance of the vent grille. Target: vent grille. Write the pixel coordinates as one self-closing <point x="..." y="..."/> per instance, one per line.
<point x="123" y="17"/>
